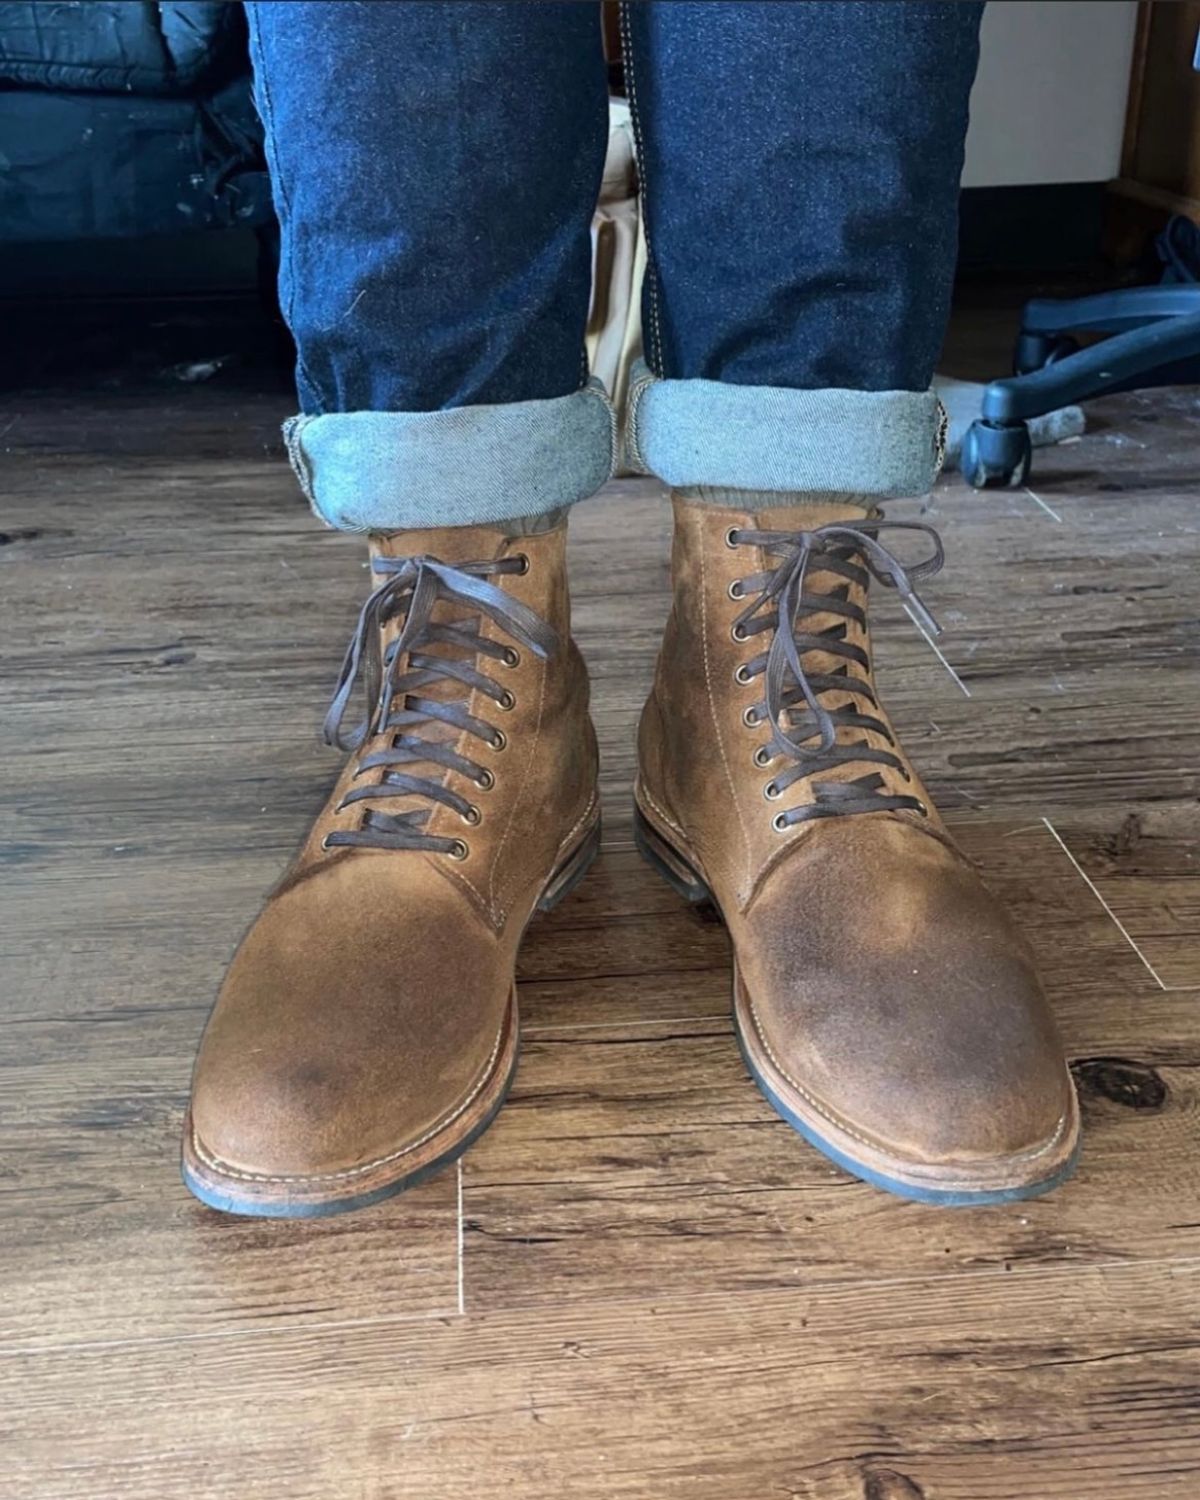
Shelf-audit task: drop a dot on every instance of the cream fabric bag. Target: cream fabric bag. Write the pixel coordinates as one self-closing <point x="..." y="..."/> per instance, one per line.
<point x="614" y="332"/>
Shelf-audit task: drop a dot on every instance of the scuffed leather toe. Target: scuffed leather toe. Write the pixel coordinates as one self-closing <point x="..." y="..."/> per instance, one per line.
<point x="890" y="987"/>
<point x="332" y="1045"/>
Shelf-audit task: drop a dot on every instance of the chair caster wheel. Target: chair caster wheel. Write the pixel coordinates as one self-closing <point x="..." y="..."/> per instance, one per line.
<point x="1035" y="351"/>
<point x="994" y="456"/>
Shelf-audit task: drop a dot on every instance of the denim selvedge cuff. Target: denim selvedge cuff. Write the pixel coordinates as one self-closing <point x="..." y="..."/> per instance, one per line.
<point x="469" y="466"/>
<point x="766" y="437"/>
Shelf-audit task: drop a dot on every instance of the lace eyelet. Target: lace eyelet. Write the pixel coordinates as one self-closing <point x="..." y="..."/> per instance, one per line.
<point x="325" y="844"/>
<point x="511" y="658"/>
<point x="922" y="809"/>
<point x="485" y="781"/>
<point x="771" y="792"/>
<point x="737" y="633"/>
<point x="458" y="850"/>
<point x="736" y="591"/>
<point x="750" y="718"/>
<point x="779" y="823"/>
<point x="523" y="559"/>
<point x="762" y="756"/>
<point x="742" y="676"/>
<point x="731" y="538"/>
<point x="472" y="816"/>
<point x="506" y="701"/>
<point x="499" y="740"/>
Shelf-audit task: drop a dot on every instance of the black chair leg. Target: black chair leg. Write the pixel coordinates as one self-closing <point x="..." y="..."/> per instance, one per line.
<point x="997" y="449"/>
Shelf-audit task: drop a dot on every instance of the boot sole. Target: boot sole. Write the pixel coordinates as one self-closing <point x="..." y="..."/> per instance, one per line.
<point x="301" y="1198"/>
<point x="683" y="877"/>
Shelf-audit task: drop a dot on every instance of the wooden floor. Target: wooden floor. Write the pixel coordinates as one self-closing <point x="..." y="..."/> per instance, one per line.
<point x="640" y="1283"/>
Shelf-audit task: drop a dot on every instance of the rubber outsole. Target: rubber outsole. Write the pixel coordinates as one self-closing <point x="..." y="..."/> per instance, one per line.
<point x="564" y="880"/>
<point x="687" y="882"/>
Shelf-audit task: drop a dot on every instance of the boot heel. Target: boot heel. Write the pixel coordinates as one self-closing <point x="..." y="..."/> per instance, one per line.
<point x="671" y="865"/>
<point x="572" y="870"/>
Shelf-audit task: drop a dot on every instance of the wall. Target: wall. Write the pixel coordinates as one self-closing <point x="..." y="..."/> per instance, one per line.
<point x="1049" y="102"/>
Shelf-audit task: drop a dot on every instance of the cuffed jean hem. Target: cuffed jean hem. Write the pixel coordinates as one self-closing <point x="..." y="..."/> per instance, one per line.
<point x="765" y="437"/>
<point x="468" y="466"/>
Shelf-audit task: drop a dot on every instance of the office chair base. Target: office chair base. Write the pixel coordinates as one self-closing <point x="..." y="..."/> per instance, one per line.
<point x="1034" y="351"/>
<point x="994" y="455"/>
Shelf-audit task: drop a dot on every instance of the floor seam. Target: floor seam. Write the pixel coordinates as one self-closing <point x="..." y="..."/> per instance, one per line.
<point x="461" y="1301"/>
<point x="936" y="649"/>
<point x="1037" y="499"/>
<point x="1091" y="884"/>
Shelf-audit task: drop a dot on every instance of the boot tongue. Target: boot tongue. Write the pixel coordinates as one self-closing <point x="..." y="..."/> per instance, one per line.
<point x="808" y="512"/>
<point x="450" y="544"/>
<point x="460" y="544"/>
<point x="455" y="546"/>
<point x="770" y="511"/>
<point x="776" y="510"/>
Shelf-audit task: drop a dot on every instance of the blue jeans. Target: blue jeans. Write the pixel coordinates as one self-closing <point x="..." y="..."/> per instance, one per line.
<point x="436" y="166"/>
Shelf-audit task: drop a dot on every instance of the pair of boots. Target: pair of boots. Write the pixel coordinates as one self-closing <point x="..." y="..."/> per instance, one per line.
<point x="367" y="1029"/>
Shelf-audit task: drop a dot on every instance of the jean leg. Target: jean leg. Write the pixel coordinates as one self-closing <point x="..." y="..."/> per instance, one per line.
<point x="801" y="165"/>
<point x="435" y="169"/>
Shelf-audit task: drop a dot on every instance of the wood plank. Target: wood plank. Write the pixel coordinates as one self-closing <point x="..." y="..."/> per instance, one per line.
<point x="1087" y="1385"/>
<point x="99" y="1241"/>
<point x="1144" y="865"/>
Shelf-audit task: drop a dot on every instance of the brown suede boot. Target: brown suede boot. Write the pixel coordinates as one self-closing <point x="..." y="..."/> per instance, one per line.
<point x="366" y="1032"/>
<point x="885" y="1003"/>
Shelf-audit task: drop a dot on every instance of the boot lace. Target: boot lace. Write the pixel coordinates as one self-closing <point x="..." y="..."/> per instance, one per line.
<point x="779" y="603"/>
<point x="392" y="680"/>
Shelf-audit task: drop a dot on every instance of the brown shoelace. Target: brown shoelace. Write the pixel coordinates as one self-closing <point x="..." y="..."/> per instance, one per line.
<point x="792" y="699"/>
<point x="394" y="702"/>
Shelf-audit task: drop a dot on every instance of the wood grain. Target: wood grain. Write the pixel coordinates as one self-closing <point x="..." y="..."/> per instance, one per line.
<point x="644" y="1285"/>
<point x="1068" y="1384"/>
<point x="1143" y="864"/>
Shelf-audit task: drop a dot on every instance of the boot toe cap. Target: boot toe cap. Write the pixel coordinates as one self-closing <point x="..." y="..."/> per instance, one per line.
<point x="330" y="1068"/>
<point x="906" y="1016"/>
